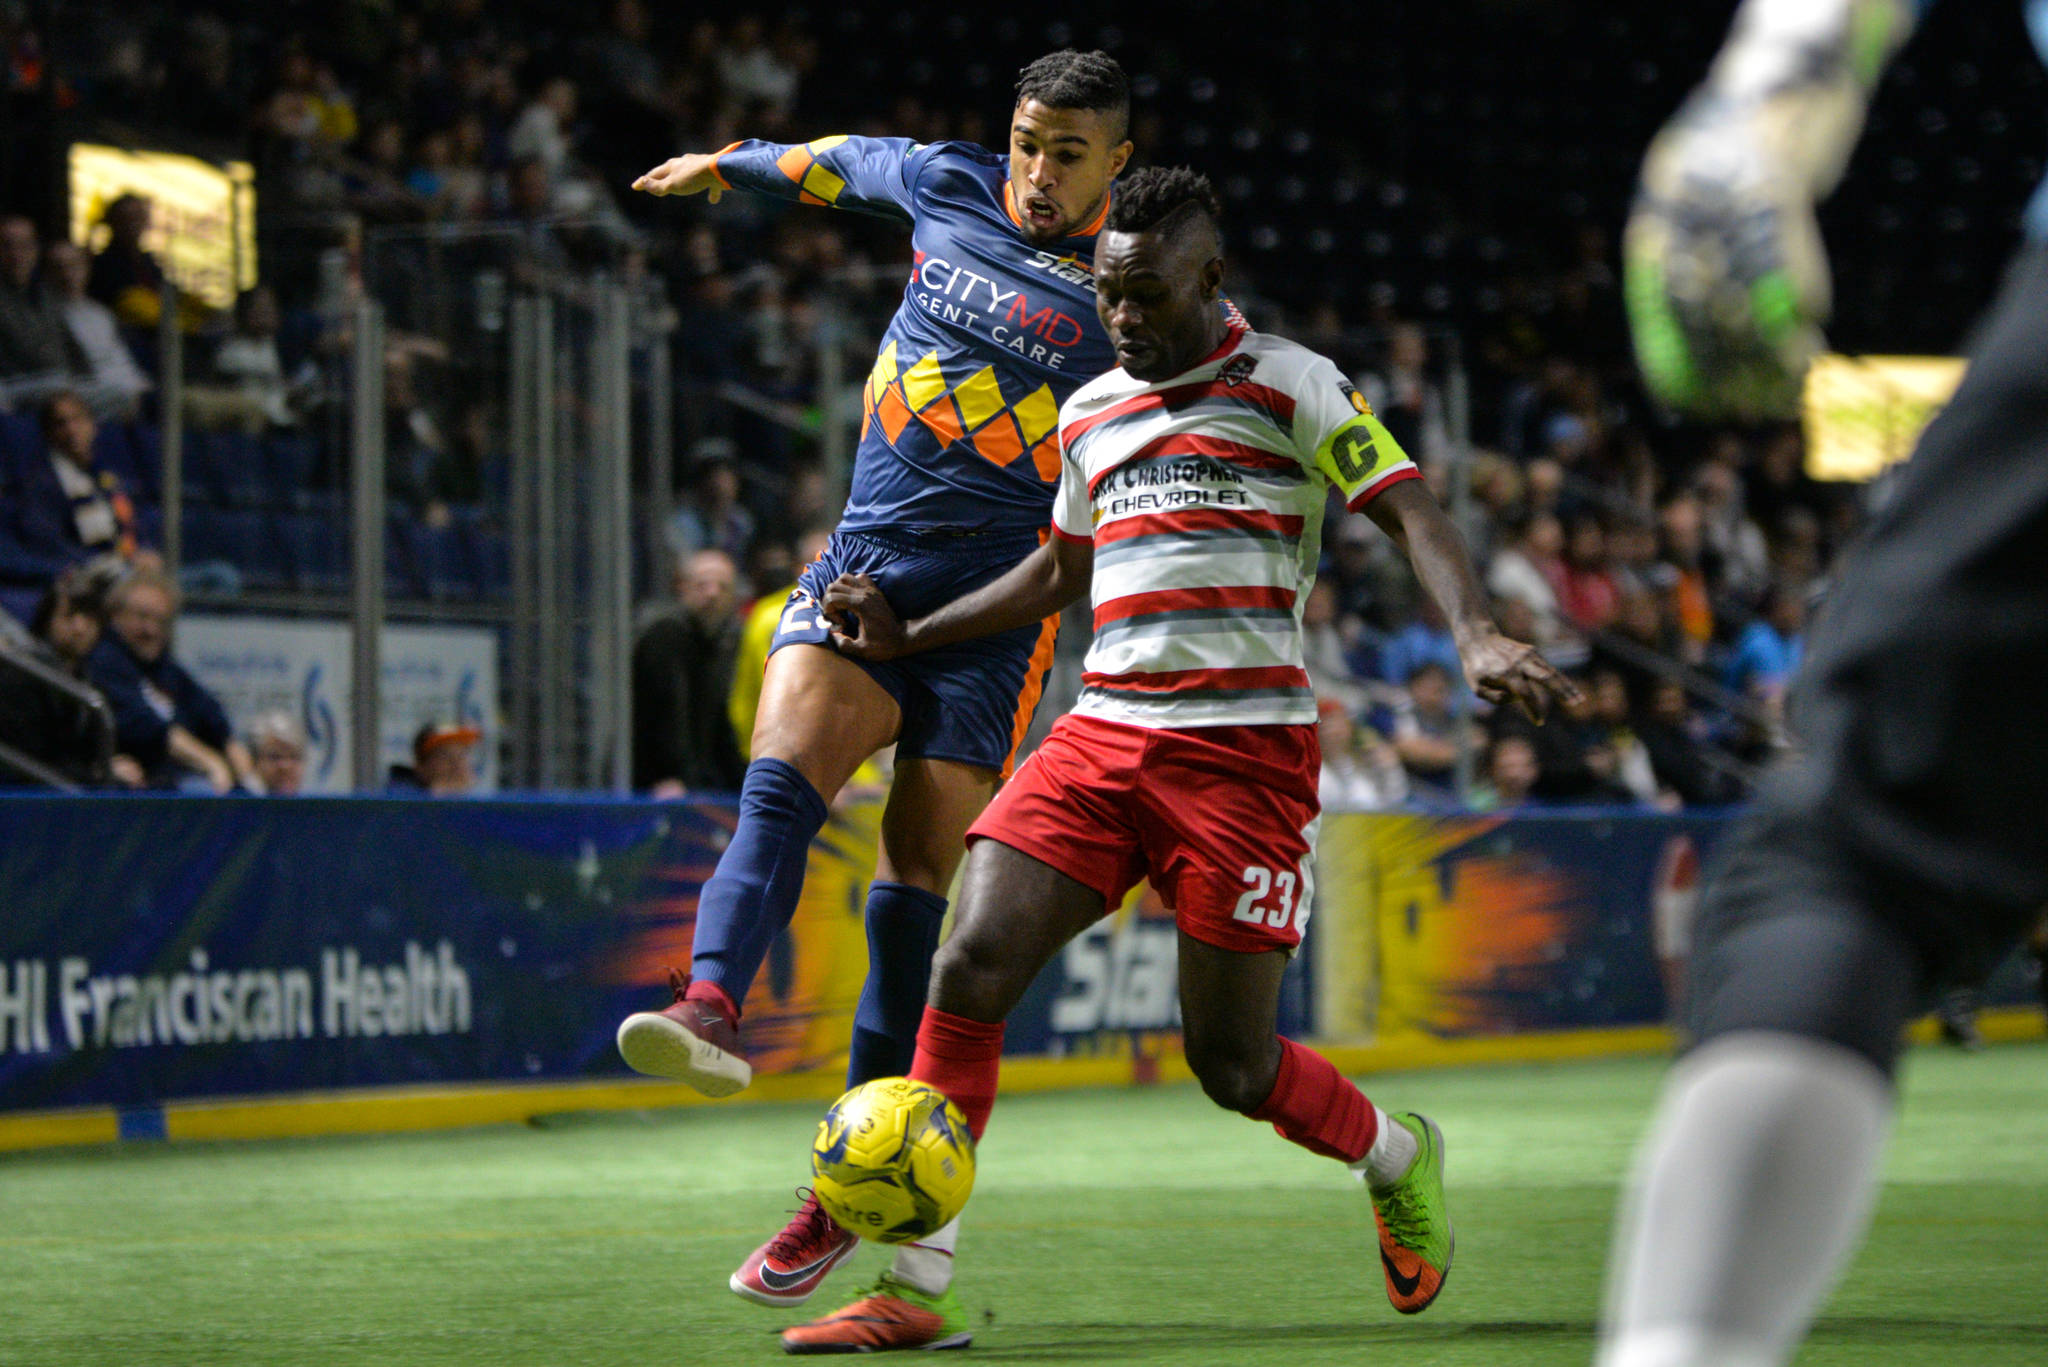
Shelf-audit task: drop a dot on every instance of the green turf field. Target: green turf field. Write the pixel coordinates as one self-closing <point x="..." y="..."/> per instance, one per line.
<point x="1108" y="1227"/>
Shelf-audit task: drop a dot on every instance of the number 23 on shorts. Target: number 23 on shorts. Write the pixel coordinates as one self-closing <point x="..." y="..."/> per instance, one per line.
<point x="1291" y="896"/>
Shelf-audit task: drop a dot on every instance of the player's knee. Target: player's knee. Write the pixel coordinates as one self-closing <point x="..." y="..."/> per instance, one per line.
<point x="1234" y="1078"/>
<point x="970" y="976"/>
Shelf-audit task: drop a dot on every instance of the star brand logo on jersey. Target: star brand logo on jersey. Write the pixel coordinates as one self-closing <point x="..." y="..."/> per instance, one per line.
<point x="1357" y="399"/>
<point x="1237" y="370"/>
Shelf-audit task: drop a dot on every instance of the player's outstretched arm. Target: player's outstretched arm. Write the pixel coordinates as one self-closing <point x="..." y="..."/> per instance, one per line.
<point x="1041" y="584"/>
<point x="869" y="175"/>
<point x="1500" y="669"/>
<point x="1727" y="279"/>
<point x="690" y="174"/>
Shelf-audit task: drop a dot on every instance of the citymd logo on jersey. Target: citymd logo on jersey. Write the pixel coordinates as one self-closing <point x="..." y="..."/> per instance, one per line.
<point x="956" y="294"/>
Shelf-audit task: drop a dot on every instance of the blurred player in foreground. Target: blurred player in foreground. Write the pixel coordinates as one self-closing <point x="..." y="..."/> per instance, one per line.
<point x="952" y="480"/>
<point x="1191" y="499"/>
<point x="1902" y="850"/>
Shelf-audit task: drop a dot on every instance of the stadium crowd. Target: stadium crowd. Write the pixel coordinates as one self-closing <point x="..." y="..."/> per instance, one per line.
<point x="1669" y="569"/>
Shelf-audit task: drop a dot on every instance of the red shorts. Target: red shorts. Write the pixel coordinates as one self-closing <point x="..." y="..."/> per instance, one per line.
<point x="1219" y="818"/>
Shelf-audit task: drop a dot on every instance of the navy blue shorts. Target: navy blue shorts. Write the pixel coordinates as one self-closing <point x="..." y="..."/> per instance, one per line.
<point x="968" y="702"/>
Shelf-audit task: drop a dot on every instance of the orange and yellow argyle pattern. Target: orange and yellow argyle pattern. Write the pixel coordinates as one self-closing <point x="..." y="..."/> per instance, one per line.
<point x="975" y="413"/>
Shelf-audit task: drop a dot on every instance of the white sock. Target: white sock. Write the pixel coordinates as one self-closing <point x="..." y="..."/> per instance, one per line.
<point x="1754" y="1186"/>
<point x="1392" y="1153"/>
<point x="928" y="1263"/>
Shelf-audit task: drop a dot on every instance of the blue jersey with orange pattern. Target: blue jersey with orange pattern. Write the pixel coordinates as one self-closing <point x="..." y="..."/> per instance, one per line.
<point x="960" y="425"/>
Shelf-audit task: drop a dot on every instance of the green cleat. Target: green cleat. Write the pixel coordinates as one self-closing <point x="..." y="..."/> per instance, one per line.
<point x="1415" y="1230"/>
<point x="889" y="1316"/>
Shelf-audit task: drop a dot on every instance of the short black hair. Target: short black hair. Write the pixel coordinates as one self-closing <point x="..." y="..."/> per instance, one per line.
<point x="1068" y="79"/>
<point x="1163" y="197"/>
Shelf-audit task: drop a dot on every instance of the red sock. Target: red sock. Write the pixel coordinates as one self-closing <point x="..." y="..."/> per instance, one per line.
<point x="704" y="990"/>
<point x="1313" y="1105"/>
<point x="960" y="1057"/>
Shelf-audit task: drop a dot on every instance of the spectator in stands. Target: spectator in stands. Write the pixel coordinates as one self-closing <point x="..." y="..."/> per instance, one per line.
<point x="1633" y="770"/>
<point x="125" y="277"/>
<point x="1426" y="728"/>
<point x="1740" y="558"/>
<point x="1769" y="649"/>
<point x="1777" y="484"/>
<point x="1588" y="596"/>
<point x="1406" y="399"/>
<point x="249" y="388"/>
<point x="750" y="662"/>
<point x="1529" y="570"/>
<point x="1576" y="762"/>
<point x="1682" y="547"/>
<point x="751" y="71"/>
<point x="33" y="342"/>
<point x="1543" y="482"/>
<point x="1632" y="553"/>
<point x="542" y="130"/>
<point x="623" y="60"/>
<point x="1795" y="540"/>
<point x="529" y="206"/>
<point x="67" y="509"/>
<point x="52" y="726"/>
<point x="770" y="569"/>
<point x="1677" y="745"/>
<point x="277" y="750"/>
<point x="1512" y="773"/>
<point x="1497" y="490"/>
<point x="374" y="181"/>
<point x="117" y="383"/>
<point x="1323" y="647"/>
<point x="1641" y="619"/>
<point x="1425" y="639"/>
<point x="1361" y="772"/>
<point x="163" y="716"/>
<point x="682" y="678"/>
<point x="443" y="762"/>
<point x="713" y="518"/>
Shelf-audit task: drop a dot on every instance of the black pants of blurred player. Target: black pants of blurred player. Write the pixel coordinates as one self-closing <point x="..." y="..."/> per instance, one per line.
<point x="1906" y="849"/>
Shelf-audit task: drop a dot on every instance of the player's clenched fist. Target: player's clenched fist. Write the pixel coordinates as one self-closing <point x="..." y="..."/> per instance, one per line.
<point x="877" y="631"/>
<point x="688" y="174"/>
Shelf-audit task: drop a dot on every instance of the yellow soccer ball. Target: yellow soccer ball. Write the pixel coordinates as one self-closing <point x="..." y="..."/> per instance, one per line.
<point x="893" y="1160"/>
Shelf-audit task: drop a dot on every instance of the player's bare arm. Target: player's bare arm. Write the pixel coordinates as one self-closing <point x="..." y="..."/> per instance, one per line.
<point x="1044" y="582"/>
<point x="690" y="174"/>
<point x="1499" y="668"/>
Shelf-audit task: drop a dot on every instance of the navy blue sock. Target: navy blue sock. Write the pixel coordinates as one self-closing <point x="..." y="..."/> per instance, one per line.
<point x="751" y="897"/>
<point x="903" y="934"/>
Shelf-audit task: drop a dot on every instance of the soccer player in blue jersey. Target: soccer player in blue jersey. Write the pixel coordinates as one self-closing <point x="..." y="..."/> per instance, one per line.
<point x="1901" y="850"/>
<point x="952" y="485"/>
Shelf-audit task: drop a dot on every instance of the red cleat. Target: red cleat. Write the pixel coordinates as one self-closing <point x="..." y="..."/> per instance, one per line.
<point x="790" y="1266"/>
<point x="689" y="1041"/>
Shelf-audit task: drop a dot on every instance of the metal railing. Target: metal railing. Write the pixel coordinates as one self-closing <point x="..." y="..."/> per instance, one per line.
<point x="91" y="705"/>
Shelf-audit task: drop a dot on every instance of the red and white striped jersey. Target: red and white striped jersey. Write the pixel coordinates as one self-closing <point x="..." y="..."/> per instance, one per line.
<point x="1203" y="495"/>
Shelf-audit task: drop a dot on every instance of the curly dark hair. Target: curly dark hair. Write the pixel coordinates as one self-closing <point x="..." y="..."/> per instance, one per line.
<point x="1068" y="79"/>
<point x="1162" y="197"/>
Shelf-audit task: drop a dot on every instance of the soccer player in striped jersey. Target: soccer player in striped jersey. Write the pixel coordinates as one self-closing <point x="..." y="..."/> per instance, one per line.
<point x="1192" y="486"/>
<point x="952" y="480"/>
